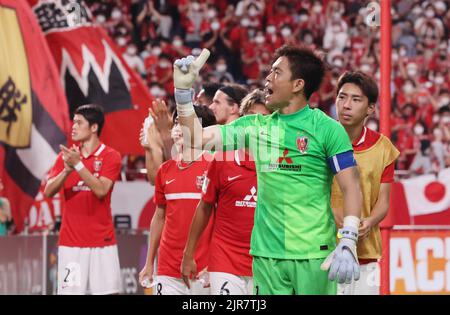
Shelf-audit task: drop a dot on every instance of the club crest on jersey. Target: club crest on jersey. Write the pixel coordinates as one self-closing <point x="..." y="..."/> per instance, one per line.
<point x="302" y="144"/>
<point x="205" y="185"/>
<point x="200" y="180"/>
<point x="97" y="165"/>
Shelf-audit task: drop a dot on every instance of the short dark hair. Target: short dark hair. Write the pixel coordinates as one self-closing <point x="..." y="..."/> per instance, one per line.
<point x="206" y="116"/>
<point x="165" y="56"/>
<point x="235" y="93"/>
<point x="444" y="109"/>
<point x="211" y="88"/>
<point x="425" y="144"/>
<point x="304" y="64"/>
<point x="94" y="114"/>
<point x="366" y="83"/>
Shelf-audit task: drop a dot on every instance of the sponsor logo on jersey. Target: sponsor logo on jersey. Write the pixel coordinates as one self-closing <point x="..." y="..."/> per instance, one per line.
<point x="249" y="200"/>
<point x="80" y="187"/>
<point x="284" y="163"/>
<point x="284" y="158"/>
<point x="302" y="144"/>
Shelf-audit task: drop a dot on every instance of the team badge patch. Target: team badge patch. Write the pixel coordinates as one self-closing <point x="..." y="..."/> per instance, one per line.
<point x="205" y="185"/>
<point x="199" y="181"/>
<point x="97" y="165"/>
<point x="302" y="144"/>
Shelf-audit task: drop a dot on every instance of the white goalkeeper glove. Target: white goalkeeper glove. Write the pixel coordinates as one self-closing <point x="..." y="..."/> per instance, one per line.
<point x="185" y="72"/>
<point x="343" y="261"/>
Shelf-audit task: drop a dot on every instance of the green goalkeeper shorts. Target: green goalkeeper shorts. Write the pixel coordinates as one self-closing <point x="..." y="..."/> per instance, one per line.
<point x="290" y="276"/>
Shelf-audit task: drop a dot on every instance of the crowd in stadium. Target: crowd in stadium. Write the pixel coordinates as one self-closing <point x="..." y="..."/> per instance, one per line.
<point x="261" y="216"/>
<point x="242" y="36"/>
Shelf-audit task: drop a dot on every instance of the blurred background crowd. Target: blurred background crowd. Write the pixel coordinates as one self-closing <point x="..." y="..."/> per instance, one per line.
<point x="242" y="36"/>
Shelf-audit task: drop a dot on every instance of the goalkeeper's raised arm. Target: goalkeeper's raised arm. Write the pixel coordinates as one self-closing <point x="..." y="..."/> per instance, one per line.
<point x="185" y="73"/>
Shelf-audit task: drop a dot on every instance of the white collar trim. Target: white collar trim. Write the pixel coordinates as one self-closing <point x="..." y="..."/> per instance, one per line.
<point x="236" y="157"/>
<point x="100" y="150"/>
<point x="363" y="138"/>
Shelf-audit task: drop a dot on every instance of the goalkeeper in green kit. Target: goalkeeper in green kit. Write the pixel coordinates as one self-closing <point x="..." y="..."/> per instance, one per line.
<point x="297" y="151"/>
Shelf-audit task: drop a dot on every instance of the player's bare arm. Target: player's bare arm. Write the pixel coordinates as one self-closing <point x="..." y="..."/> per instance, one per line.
<point x="378" y="212"/>
<point x="156" y="228"/>
<point x="200" y="138"/>
<point x="352" y="177"/>
<point x="99" y="186"/>
<point x="338" y="216"/>
<point x="342" y="263"/>
<point x="185" y="73"/>
<point x="349" y="183"/>
<point x="198" y="225"/>
<point x="163" y="124"/>
<point x="55" y="183"/>
<point x="152" y="162"/>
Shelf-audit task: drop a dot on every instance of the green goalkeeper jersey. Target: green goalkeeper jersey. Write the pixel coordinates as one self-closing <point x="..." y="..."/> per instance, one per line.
<point x="293" y="218"/>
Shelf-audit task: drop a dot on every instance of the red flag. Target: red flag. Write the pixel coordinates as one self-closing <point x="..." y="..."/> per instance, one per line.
<point x="92" y="70"/>
<point x="33" y="121"/>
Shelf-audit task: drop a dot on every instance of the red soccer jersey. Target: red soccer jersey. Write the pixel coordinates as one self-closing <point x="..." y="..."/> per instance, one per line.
<point x="87" y="220"/>
<point x="232" y="186"/>
<point x="179" y="189"/>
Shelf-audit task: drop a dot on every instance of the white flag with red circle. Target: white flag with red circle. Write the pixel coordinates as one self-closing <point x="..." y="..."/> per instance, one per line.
<point x="428" y="194"/>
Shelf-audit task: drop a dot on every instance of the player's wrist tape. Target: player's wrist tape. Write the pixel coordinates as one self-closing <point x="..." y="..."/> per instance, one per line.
<point x="347" y="233"/>
<point x="79" y="166"/>
<point x="185" y="110"/>
<point x="183" y="96"/>
<point x="350" y="229"/>
<point x="351" y="221"/>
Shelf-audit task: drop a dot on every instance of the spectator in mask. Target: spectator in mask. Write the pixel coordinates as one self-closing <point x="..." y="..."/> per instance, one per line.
<point x="438" y="148"/>
<point x="422" y="161"/>
<point x="428" y="28"/>
<point x="336" y="37"/>
<point x="133" y="60"/>
<point x="220" y="70"/>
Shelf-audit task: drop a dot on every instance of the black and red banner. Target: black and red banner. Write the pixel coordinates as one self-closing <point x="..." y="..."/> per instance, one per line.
<point x="92" y="70"/>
